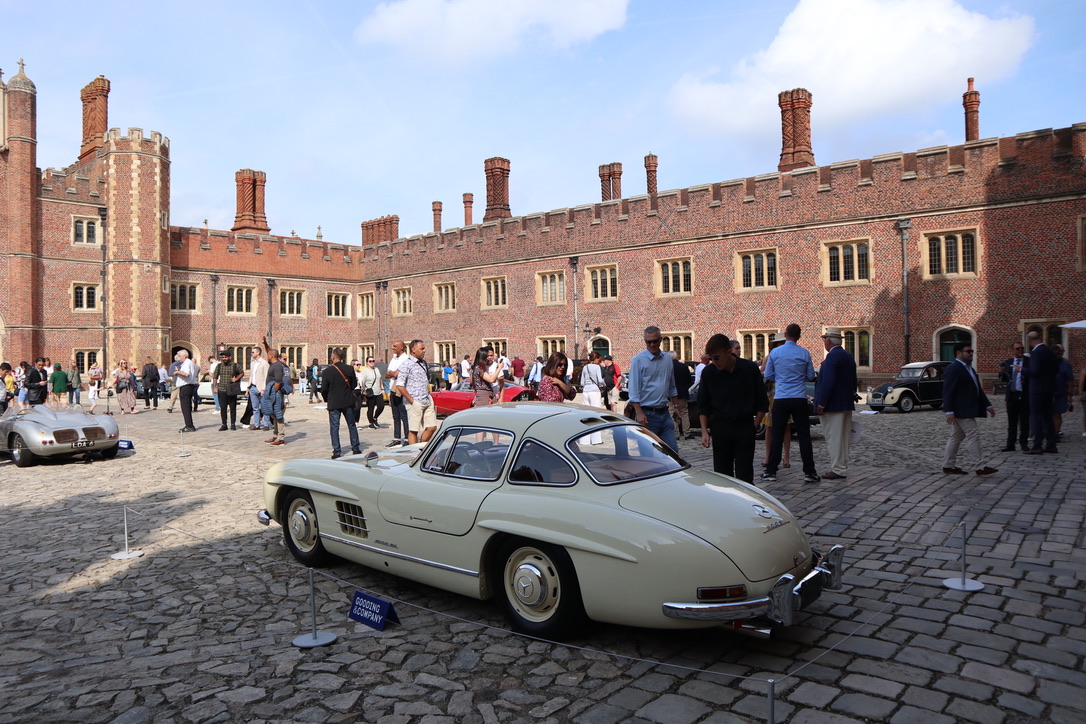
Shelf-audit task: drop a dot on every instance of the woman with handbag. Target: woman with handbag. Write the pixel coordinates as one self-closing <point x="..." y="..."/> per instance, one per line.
<point x="75" y="384"/>
<point x="592" y="387"/>
<point x="369" y="380"/>
<point x="124" y="384"/>
<point x="482" y="381"/>
<point x="95" y="375"/>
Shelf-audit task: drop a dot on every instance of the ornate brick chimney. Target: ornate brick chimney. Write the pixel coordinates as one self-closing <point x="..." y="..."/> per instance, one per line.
<point x="497" y="188"/>
<point x="616" y="180"/>
<point x="651" y="164"/>
<point x="250" y="217"/>
<point x="796" y="149"/>
<point x="469" y="199"/>
<point x="605" y="182"/>
<point x="95" y="97"/>
<point x="436" y="206"/>
<point x="971" y="103"/>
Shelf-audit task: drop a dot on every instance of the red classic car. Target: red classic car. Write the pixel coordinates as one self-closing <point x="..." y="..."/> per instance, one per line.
<point x="461" y="397"/>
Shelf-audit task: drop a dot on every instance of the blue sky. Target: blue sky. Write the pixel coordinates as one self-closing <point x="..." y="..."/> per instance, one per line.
<point x="360" y="109"/>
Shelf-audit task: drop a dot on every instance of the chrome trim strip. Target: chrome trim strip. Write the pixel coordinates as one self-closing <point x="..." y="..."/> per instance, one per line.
<point x="400" y="556"/>
<point x="717" y="611"/>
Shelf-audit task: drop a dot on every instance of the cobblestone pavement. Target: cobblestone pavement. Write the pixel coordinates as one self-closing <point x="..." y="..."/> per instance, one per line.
<point x="199" y="629"/>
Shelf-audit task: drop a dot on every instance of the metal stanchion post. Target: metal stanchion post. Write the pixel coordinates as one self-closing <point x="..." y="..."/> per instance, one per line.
<point x="183" y="454"/>
<point x="963" y="583"/>
<point x="127" y="553"/>
<point x="317" y="638"/>
<point x="771" y="717"/>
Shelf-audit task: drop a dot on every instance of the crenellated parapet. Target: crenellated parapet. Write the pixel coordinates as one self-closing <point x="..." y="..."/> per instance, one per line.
<point x="986" y="171"/>
<point x="263" y="254"/>
<point x="135" y="141"/>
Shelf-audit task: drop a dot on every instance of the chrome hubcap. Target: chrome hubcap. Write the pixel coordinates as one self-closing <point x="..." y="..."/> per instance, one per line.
<point x="528" y="585"/>
<point x="302" y="529"/>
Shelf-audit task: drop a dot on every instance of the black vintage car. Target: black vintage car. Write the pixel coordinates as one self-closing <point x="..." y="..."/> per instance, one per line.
<point x="918" y="383"/>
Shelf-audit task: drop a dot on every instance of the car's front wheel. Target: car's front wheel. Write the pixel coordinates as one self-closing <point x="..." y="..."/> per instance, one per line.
<point x="20" y="453"/>
<point x="906" y="403"/>
<point x="538" y="589"/>
<point x="301" y="532"/>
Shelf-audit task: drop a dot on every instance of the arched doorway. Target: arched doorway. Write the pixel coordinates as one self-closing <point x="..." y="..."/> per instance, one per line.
<point x="601" y="345"/>
<point x="948" y="338"/>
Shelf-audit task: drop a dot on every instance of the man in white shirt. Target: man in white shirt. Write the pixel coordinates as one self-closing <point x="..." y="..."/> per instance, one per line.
<point x="185" y="382"/>
<point x="258" y="380"/>
<point x="395" y="401"/>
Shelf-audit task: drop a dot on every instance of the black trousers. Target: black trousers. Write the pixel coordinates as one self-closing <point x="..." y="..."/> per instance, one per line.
<point x="226" y="401"/>
<point x="1042" y="421"/>
<point x="794" y="408"/>
<point x="374" y="407"/>
<point x="733" y="448"/>
<point x="399" y="417"/>
<point x="1017" y="419"/>
<point x="150" y="394"/>
<point x="187" y="393"/>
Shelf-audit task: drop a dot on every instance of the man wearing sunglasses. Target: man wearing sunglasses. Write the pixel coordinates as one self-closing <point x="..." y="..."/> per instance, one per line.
<point x="652" y="388"/>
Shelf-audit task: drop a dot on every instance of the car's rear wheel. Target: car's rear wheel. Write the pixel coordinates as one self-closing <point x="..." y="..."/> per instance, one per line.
<point x="538" y="589"/>
<point x="20" y="453"/>
<point x="110" y="452"/>
<point x="301" y="532"/>
<point x="906" y="404"/>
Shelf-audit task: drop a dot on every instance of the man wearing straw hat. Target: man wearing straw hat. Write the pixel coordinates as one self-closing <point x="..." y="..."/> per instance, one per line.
<point x="835" y="393"/>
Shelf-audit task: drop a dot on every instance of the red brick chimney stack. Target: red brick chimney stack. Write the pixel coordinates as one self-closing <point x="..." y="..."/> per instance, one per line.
<point x="437" y="216"/>
<point x="469" y="199"/>
<point x="971" y="102"/>
<point x="95" y="97"/>
<point x="497" y="188"/>
<point x="651" y="164"/>
<point x="250" y="217"/>
<point x="796" y="150"/>
<point x="605" y="182"/>
<point x="616" y="180"/>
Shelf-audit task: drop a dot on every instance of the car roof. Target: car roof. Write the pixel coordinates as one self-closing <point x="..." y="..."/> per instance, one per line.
<point x="551" y="420"/>
<point x="914" y="365"/>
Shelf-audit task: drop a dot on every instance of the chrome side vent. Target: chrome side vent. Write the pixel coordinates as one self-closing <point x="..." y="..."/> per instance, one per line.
<point x="351" y="519"/>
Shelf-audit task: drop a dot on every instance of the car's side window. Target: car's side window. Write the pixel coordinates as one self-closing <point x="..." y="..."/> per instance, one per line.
<point x="439" y="458"/>
<point x="537" y="464"/>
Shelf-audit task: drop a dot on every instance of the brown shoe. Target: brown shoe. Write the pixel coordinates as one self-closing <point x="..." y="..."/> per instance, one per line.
<point x="270" y="440"/>
<point x="279" y="442"/>
<point x="986" y="471"/>
<point x="955" y="471"/>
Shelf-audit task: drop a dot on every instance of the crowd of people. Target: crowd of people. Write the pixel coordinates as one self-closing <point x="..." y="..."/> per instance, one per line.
<point x="733" y="397"/>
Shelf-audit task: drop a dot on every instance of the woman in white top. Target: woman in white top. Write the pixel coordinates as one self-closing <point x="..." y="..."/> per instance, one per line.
<point x="95" y="374"/>
<point x="592" y="387"/>
<point x="369" y="381"/>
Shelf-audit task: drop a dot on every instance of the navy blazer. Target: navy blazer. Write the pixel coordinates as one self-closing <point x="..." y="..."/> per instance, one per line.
<point x="1042" y="371"/>
<point x="961" y="395"/>
<point x="835" y="389"/>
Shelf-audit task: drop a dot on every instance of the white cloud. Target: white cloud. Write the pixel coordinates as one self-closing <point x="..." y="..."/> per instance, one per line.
<point x="463" y="32"/>
<point x="860" y="59"/>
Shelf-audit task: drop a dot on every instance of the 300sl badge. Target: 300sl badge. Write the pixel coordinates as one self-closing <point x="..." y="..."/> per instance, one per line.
<point x="776" y="525"/>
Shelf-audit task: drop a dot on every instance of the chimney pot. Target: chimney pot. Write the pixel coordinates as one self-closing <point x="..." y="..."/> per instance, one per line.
<point x="497" y="188"/>
<point x="437" y="216"/>
<point x="469" y="199"/>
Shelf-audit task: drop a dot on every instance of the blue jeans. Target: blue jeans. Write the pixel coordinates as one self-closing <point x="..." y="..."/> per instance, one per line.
<point x="73" y="394"/>
<point x="352" y="429"/>
<point x="399" y="417"/>
<point x="664" y="427"/>
<point x="258" y="420"/>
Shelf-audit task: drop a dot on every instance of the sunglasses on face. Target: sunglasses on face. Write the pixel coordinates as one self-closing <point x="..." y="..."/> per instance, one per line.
<point x="653" y="341"/>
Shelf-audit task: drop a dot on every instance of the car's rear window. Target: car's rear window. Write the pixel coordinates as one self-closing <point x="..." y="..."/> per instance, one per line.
<point x="622" y="453"/>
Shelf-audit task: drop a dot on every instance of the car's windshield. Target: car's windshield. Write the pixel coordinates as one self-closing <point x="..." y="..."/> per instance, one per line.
<point x="910" y="373"/>
<point x="622" y="453"/>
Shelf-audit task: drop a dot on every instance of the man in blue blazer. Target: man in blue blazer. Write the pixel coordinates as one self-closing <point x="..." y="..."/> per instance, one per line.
<point x="964" y="401"/>
<point x="1042" y="371"/>
<point x="835" y="394"/>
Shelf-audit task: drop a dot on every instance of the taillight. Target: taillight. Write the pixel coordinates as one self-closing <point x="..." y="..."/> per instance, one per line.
<point x="722" y="593"/>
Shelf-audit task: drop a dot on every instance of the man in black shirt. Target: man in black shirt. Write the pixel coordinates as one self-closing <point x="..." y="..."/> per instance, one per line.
<point x="731" y="404"/>
<point x="337" y="389"/>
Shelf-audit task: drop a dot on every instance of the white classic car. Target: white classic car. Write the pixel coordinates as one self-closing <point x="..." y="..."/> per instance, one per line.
<point x="563" y="513"/>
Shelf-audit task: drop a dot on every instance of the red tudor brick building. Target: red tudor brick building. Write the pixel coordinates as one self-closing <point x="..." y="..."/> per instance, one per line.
<point x="908" y="252"/>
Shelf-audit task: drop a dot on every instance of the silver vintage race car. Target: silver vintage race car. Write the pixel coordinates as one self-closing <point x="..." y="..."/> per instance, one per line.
<point x="40" y="431"/>
<point x="563" y="514"/>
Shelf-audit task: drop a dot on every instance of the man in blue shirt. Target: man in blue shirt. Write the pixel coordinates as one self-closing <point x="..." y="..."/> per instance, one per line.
<point x="791" y="368"/>
<point x="652" y="388"/>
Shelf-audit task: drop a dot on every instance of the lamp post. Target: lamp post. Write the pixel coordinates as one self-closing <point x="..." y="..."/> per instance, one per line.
<point x="573" y="262"/>
<point x="103" y="212"/>
<point x="271" y="300"/>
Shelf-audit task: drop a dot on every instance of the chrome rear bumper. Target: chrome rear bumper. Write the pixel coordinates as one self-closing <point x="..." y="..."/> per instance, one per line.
<point x="263" y="517"/>
<point x="786" y="598"/>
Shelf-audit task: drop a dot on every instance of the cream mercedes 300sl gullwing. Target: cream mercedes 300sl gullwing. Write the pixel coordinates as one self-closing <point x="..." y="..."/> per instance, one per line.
<point x="562" y="513"/>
